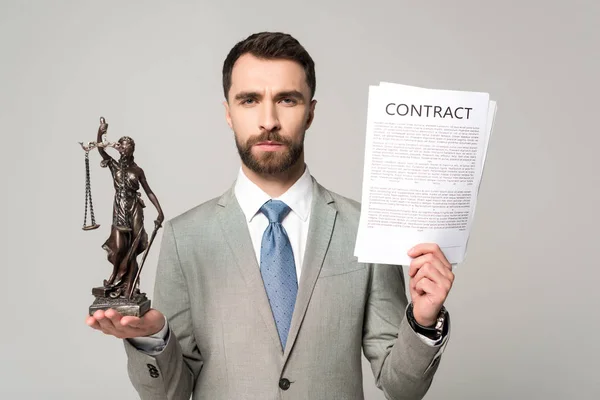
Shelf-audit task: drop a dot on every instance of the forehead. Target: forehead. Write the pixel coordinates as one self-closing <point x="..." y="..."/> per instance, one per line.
<point x="255" y="74"/>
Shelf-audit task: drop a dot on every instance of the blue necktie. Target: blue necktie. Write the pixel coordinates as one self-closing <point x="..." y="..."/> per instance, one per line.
<point x="278" y="268"/>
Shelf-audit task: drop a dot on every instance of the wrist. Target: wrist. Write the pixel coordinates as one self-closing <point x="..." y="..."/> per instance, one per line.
<point x="433" y="330"/>
<point x="162" y="328"/>
<point x="426" y="323"/>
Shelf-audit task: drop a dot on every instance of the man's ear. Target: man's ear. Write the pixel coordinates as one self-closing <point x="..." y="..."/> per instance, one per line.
<point x="311" y="113"/>
<point x="228" y="114"/>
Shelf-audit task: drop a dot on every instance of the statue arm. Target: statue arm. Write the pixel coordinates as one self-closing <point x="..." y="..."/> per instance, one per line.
<point x="101" y="131"/>
<point x="151" y="196"/>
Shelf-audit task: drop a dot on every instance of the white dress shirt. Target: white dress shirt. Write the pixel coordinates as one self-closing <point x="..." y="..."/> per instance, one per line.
<point x="298" y="198"/>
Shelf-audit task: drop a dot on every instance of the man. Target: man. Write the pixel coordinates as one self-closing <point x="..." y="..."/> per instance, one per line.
<point x="260" y="291"/>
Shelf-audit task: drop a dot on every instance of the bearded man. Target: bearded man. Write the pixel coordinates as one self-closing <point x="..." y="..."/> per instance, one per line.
<point x="257" y="293"/>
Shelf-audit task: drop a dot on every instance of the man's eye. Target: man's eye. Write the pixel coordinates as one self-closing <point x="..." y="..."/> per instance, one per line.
<point x="248" y="101"/>
<point x="288" y="100"/>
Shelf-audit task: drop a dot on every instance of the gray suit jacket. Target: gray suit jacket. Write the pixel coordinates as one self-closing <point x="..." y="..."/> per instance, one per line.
<point x="223" y="343"/>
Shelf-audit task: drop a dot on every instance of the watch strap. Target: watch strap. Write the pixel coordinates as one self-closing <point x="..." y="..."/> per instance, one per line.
<point x="433" y="332"/>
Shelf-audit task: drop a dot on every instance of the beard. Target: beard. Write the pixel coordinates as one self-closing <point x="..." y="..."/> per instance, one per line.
<point x="272" y="162"/>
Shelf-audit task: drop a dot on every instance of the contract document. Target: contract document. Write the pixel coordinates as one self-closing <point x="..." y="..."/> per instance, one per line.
<point x="425" y="151"/>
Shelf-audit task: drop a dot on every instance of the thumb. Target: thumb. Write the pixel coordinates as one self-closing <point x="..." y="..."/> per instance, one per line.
<point x="132" y="322"/>
<point x="152" y="321"/>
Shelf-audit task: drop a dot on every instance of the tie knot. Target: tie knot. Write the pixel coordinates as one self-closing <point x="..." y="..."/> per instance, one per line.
<point x="275" y="210"/>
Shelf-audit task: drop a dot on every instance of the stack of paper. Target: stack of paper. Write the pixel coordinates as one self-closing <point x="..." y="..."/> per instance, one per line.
<point x="424" y="157"/>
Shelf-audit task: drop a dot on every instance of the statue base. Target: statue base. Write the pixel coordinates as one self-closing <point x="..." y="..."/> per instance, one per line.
<point x="137" y="306"/>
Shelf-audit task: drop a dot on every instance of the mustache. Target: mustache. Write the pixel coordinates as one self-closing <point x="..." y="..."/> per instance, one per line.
<point x="265" y="136"/>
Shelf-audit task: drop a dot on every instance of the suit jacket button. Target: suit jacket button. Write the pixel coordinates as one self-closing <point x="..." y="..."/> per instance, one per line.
<point x="284" y="384"/>
<point x="153" y="371"/>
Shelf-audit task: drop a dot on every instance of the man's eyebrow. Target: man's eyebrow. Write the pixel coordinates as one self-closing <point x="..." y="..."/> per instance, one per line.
<point x="255" y="95"/>
<point x="247" y="95"/>
<point x="290" y="93"/>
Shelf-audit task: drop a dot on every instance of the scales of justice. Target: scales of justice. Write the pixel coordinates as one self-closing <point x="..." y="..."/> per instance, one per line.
<point x="128" y="239"/>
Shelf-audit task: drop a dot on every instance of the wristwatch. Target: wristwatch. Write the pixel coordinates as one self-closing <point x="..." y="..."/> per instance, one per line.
<point x="434" y="332"/>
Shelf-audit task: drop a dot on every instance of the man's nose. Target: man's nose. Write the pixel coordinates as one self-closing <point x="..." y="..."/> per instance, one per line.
<point x="269" y="119"/>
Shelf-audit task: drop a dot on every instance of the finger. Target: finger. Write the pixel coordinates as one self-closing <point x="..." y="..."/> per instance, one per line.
<point x="91" y="321"/>
<point x="434" y="274"/>
<point x="105" y="323"/>
<point x="131" y="322"/>
<point x="117" y="318"/>
<point x="114" y="316"/>
<point x="426" y="286"/>
<point x="435" y="262"/>
<point x="418" y="262"/>
<point x="113" y="325"/>
<point x="433" y="248"/>
<point x="152" y="321"/>
<point x="430" y="258"/>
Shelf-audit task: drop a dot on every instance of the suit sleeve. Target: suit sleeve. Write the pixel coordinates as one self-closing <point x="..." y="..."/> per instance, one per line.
<point x="403" y="364"/>
<point x="172" y="373"/>
<point x="153" y="344"/>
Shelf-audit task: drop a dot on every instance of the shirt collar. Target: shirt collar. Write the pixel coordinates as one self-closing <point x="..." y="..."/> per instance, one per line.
<point x="251" y="197"/>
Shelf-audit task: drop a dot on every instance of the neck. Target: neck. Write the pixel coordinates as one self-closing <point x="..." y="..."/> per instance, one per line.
<point x="127" y="160"/>
<point x="276" y="184"/>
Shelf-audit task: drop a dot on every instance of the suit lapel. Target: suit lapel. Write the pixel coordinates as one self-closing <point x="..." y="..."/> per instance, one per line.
<point x="319" y="235"/>
<point x="238" y="239"/>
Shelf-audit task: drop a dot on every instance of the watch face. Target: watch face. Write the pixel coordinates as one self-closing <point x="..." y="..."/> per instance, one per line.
<point x="440" y="323"/>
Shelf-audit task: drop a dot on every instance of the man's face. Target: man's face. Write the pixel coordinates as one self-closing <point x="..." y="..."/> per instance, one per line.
<point x="269" y="110"/>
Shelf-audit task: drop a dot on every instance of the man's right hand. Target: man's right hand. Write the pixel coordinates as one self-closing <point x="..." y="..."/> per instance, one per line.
<point x="124" y="327"/>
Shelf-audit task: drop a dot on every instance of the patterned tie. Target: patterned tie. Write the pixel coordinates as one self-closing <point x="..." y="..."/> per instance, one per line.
<point x="278" y="268"/>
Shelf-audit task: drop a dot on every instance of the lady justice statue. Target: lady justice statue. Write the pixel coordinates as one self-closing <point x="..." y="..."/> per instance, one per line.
<point x="128" y="238"/>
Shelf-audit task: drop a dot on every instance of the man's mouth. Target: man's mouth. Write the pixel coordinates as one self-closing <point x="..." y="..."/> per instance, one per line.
<point x="269" y="145"/>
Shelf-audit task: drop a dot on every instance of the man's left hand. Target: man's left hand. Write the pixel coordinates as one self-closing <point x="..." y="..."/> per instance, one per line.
<point x="431" y="279"/>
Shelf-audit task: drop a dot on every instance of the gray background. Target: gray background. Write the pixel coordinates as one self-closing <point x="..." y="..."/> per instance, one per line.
<point x="524" y="305"/>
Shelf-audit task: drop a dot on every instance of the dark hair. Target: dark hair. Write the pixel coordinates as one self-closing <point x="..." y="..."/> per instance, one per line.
<point x="270" y="45"/>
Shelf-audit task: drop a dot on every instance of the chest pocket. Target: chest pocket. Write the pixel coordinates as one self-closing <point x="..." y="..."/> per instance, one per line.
<point x="341" y="268"/>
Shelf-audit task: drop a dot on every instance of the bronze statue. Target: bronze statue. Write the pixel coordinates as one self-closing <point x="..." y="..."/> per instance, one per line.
<point x="128" y="238"/>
